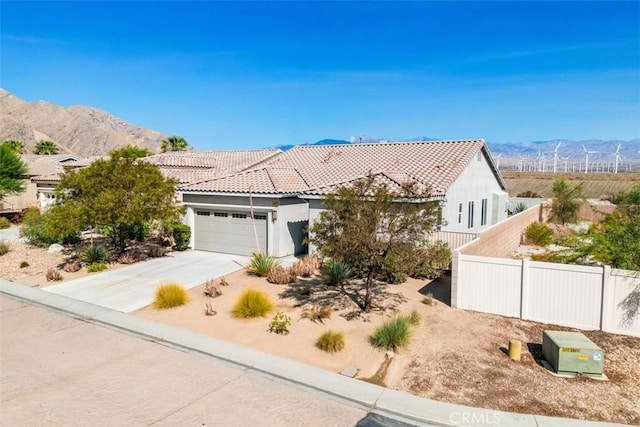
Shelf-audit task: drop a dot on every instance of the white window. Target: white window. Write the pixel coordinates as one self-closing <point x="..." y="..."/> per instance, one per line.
<point x="483" y="212"/>
<point x="240" y="216"/>
<point x="470" y="219"/>
<point x="460" y="213"/>
<point x="203" y="213"/>
<point x="221" y="214"/>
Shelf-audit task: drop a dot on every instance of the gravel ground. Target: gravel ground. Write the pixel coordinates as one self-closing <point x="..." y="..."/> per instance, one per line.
<point x="39" y="259"/>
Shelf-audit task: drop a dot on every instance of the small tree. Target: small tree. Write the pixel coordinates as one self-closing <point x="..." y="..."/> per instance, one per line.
<point x="366" y="224"/>
<point x="118" y="194"/>
<point x="174" y="143"/>
<point x="131" y="152"/>
<point x="566" y="201"/>
<point x="45" y="147"/>
<point x="16" y="145"/>
<point x="12" y="171"/>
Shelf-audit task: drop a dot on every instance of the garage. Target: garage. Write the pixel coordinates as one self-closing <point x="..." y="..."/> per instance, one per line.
<point x="230" y="232"/>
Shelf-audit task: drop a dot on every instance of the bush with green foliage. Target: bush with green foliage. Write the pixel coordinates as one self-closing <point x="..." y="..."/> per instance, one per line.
<point x="330" y="341"/>
<point x="96" y="267"/>
<point x="45" y="148"/>
<point x="252" y="303"/>
<point x="538" y="233"/>
<point x="182" y="236"/>
<point x="335" y="273"/>
<point x="261" y="264"/>
<point x="4" y="248"/>
<point x="428" y="299"/>
<point x="57" y="225"/>
<point x="170" y="295"/>
<point x="566" y="201"/>
<point x="4" y="223"/>
<point x="280" y="323"/>
<point x="12" y="171"/>
<point x="413" y="318"/>
<point x="24" y="264"/>
<point x="93" y="253"/>
<point x="392" y="334"/>
<point x="520" y="207"/>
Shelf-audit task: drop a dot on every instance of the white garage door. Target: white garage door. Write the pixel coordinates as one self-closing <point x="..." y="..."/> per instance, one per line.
<point x="229" y="232"/>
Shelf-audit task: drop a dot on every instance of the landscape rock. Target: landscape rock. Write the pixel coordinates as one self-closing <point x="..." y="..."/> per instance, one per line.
<point x="55" y="248"/>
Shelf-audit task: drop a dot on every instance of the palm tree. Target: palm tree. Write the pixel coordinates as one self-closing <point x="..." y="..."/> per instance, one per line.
<point x="174" y="143"/>
<point x="45" y="147"/>
<point x="16" y="145"/>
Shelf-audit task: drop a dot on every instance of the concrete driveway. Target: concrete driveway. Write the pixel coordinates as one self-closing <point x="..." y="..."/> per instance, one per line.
<point x="132" y="287"/>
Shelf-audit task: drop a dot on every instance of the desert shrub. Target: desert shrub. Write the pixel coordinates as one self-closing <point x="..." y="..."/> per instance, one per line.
<point x="539" y="233"/>
<point x="529" y="194"/>
<point x="170" y="295"/>
<point x="413" y="318"/>
<point x="208" y="310"/>
<point x="330" y="341"/>
<point x="128" y="258"/>
<point x="307" y="266"/>
<point x="211" y="289"/>
<point x="53" y="275"/>
<point x="137" y="231"/>
<point x="223" y="281"/>
<point x="24" y="264"/>
<point x="4" y="248"/>
<point x="317" y="313"/>
<point x="280" y="275"/>
<point x="93" y="253"/>
<point x="280" y="323"/>
<point x="520" y="207"/>
<point x="335" y="273"/>
<point x="156" y="251"/>
<point x="57" y="225"/>
<point x="252" y="303"/>
<point x="4" y="223"/>
<point x="392" y="334"/>
<point x="72" y="266"/>
<point x="181" y="235"/>
<point x="429" y="262"/>
<point x="261" y="264"/>
<point x="95" y="267"/>
<point x="428" y="299"/>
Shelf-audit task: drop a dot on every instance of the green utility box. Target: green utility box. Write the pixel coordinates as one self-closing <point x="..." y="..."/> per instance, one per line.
<point x="572" y="353"/>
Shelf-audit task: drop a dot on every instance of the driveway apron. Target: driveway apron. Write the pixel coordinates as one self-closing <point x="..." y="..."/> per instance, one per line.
<point x="130" y="288"/>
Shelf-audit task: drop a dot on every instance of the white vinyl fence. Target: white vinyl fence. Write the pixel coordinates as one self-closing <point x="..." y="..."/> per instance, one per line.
<point x="568" y="295"/>
<point x="454" y="239"/>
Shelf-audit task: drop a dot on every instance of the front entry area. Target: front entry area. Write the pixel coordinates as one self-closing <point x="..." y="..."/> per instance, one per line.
<point x="230" y="232"/>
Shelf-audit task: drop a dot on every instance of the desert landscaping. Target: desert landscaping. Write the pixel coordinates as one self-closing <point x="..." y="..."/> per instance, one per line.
<point x="453" y="355"/>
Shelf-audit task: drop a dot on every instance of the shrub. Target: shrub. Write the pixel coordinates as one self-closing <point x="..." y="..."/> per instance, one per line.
<point x="208" y="310"/>
<point x="211" y="289"/>
<point x="520" y="207"/>
<point x="252" y="303"/>
<point x="4" y="248"/>
<point x="128" y="258"/>
<point x="307" y="266"/>
<point x="53" y="275"/>
<point x="24" y="264"/>
<point x="413" y="318"/>
<point x="429" y="262"/>
<point x="261" y="264"/>
<point x="280" y="323"/>
<point x="280" y="275"/>
<point x="428" y="299"/>
<point x="156" y="251"/>
<point x="335" y="273"/>
<point x="539" y="233"/>
<point x="392" y="334"/>
<point x="4" y="223"/>
<point x="95" y="267"/>
<point x="181" y="235"/>
<point x="57" y="225"/>
<point x="317" y="313"/>
<point x="223" y="281"/>
<point x="170" y="295"/>
<point x="330" y="341"/>
<point x="72" y="266"/>
<point x="93" y="253"/>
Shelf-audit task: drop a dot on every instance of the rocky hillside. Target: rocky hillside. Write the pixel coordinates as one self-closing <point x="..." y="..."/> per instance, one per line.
<point x="84" y="131"/>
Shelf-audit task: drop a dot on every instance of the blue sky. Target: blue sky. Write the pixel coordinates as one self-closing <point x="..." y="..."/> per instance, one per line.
<point x="261" y="74"/>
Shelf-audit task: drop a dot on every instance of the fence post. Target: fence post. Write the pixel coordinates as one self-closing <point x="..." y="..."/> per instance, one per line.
<point x="455" y="279"/>
<point x="524" y="289"/>
<point x="607" y="309"/>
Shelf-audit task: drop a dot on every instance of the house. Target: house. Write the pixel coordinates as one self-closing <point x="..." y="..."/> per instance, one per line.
<point x="269" y="207"/>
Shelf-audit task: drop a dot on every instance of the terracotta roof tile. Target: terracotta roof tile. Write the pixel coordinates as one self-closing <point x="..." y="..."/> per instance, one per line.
<point x="265" y="180"/>
<point x="224" y="162"/>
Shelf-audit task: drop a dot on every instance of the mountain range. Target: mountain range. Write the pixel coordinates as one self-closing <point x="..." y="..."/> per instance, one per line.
<point x="87" y="131"/>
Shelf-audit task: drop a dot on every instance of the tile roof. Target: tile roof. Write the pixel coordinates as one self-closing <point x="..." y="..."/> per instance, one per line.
<point x="223" y="162"/>
<point x="265" y="180"/>
<point x="393" y="181"/>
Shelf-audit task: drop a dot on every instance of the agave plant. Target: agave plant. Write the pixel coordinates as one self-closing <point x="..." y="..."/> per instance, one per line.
<point x="335" y="273"/>
<point x="261" y="263"/>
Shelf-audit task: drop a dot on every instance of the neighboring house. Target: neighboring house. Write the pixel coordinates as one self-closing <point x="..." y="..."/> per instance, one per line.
<point x="269" y="207"/>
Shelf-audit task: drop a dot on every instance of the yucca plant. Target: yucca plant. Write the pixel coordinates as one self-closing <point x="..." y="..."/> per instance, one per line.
<point x="330" y="341"/>
<point x="170" y="295"/>
<point x="392" y="334"/>
<point x="261" y="263"/>
<point x="335" y="273"/>
<point x="252" y="303"/>
<point x="93" y="253"/>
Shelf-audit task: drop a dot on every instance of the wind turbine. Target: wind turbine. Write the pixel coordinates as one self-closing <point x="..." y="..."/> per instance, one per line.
<point x="586" y="158"/>
<point x="522" y="162"/>
<point x="565" y="163"/>
<point x="618" y="158"/>
<point x="498" y="160"/>
<point x="555" y="157"/>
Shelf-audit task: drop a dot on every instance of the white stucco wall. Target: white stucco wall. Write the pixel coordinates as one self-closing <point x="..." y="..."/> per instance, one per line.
<point x="290" y="225"/>
<point x="475" y="183"/>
